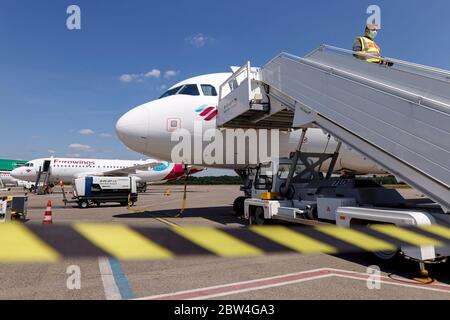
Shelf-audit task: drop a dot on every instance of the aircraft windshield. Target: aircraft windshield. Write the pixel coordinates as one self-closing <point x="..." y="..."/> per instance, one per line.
<point x="190" y="90"/>
<point x="187" y="89"/>
<point x="171" y="92"/>
<point x="29" y="164"/>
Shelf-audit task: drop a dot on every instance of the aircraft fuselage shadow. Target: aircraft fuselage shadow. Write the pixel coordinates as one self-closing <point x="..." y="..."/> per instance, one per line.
<point x="222" y="215"/>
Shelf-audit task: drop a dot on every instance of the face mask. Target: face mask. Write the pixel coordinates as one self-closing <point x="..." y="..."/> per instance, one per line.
<point x="373" y="34"/>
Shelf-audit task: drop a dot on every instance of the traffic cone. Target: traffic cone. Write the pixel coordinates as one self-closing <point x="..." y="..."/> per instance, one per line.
<point x="48" y="214"/>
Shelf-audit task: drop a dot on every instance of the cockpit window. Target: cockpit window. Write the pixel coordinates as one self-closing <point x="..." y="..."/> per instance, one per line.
<point x="29" y="164"/>
<point x="171" y="92"/>
<point x="209" y="90"/>
<point x="190" y="90"/>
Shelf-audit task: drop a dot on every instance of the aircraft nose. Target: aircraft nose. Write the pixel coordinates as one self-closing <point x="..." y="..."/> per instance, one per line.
<point x="16" y="174"/>
<point x="132" y="128"/>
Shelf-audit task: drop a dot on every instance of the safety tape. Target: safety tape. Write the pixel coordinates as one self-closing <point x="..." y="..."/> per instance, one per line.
<point x="46" y="244"/>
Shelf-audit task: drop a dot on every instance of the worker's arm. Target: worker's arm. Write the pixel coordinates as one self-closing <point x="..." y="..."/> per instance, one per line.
<point x="357" y="47"/>
<point x="362" y="55"/>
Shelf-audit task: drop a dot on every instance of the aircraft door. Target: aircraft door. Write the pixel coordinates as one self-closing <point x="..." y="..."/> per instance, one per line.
<point x="46" y="166"/>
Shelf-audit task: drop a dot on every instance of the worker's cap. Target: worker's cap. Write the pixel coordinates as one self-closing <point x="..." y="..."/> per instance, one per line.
<point x="372" y="26"/>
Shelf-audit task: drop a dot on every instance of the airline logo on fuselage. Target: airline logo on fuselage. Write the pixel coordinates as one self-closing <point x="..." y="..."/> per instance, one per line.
<point x="76" y="162"/>
<point x="161" y="167"/>
<point x="207" y="112"/>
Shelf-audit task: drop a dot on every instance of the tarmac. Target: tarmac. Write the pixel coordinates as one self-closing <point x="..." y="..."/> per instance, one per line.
<point x="281" y="276"/>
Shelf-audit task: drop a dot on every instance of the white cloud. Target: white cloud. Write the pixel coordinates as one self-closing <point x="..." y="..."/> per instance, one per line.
<point x="140" y="77"/>
<point x="105" y="135"/>
<point x="170" y="73"/>
<point x="198" y="40"/>
<point x="127" y="77"/>
<point x="73" y="155"/>
<point x="51" y="151"/>
<point x="79" y="146"/>
<point x="155" y="73"/>
<point x="86" y="132"/>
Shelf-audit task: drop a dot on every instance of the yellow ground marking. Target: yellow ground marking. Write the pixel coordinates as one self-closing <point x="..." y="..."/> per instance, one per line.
<point x="165" y="221"/>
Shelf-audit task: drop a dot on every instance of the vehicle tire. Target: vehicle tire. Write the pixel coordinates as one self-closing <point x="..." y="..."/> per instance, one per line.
<point x="385" y="255"/>
<point x="98" y="204"/>
<point x="257" y="217"/>
<point x="83" y="204"/>
<point x="238" y="206"/>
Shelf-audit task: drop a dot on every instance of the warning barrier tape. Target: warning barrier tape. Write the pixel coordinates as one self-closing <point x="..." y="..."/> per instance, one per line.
<point x="46" y="244"/>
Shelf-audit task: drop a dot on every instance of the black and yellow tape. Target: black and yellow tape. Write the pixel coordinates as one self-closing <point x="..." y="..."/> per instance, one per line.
<point x="46" y="244"/>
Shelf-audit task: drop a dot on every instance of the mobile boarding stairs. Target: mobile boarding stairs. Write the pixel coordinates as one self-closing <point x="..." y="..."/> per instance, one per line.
<point x="398" y="116"/>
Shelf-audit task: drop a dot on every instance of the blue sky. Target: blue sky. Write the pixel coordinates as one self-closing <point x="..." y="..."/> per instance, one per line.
<point x="55" y="82"/>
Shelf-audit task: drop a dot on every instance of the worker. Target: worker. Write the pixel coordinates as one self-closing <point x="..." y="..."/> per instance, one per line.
<point x="366" y="46"/>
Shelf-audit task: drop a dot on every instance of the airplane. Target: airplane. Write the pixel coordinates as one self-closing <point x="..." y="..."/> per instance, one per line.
<point x="5" y="173"/>
<point x="148" y="128"/>
<point x="66" y="169"/>
<point x="6" y="180"/>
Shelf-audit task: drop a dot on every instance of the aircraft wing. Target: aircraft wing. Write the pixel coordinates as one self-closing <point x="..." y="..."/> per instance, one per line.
<point x="131" y="170"/>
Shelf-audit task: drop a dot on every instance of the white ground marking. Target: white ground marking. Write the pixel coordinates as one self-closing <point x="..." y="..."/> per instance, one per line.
<point x="109" y="283"/>
<point x="224" y="286"/>
<point x="202" y="293"/>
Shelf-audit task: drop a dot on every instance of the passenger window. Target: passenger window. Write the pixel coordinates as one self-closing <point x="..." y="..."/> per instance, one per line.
<point x="190" y="90"/>
<point x="209" y="90"/>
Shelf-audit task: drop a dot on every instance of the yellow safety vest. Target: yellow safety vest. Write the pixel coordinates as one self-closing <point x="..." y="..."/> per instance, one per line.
<point x="370" y="47"/>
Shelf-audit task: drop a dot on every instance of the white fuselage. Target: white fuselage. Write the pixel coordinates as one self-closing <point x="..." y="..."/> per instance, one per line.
<point x="148" y="129"/>
<point x="67" y="169"/>
<point x="7" y="180"/>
